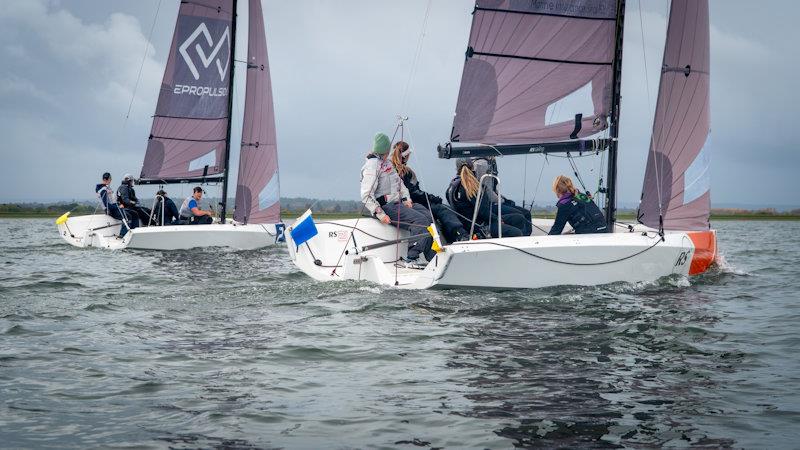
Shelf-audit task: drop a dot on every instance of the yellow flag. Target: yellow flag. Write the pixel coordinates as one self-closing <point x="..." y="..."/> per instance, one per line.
<point x="437" y="243"/>
<point x="61" y="220"/>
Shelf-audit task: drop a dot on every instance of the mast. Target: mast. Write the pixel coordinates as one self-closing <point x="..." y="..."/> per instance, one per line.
<point x="611" y="181"/>
<point x="226" y="173"/>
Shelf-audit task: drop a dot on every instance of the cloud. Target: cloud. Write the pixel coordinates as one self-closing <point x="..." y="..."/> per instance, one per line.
<point x="339" y="71"/>
<point x="66" y="95"/>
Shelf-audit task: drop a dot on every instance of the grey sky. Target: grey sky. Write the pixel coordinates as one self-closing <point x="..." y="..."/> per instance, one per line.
<point x="339" y="71"/>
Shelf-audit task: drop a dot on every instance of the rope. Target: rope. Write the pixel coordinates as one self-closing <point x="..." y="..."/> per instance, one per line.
<point x="536" y="191"/>
<point x="525" y="182"/>
<point x="374" y="183"/>
<point x="141" y="66"/>
<point x="415" y="62"/>
<point x="573" y="263"/>
<point x="649" y="105"/>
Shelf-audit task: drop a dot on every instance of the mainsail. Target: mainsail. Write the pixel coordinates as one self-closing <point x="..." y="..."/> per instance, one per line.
<point x="257" y="192"/>
<point x="677" y="182"/>
<point x="537" y="71"/>
<point x="188" y="139"/>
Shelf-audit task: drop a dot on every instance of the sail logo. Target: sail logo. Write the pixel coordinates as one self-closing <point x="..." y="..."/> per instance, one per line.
<point x="206" y="60"/>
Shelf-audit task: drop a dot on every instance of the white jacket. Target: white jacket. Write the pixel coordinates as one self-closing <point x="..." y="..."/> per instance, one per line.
<point x="380" y="180"/>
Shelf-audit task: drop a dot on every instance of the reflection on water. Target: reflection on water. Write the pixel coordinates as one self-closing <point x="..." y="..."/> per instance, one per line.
<point x="222" y="349"/>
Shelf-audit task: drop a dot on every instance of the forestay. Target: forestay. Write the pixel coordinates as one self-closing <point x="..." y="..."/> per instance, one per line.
<point x="187" y="140"/>
<point x="537" y="71"/>
<point x="257" y="192"/>
<point x="676" y="183"/>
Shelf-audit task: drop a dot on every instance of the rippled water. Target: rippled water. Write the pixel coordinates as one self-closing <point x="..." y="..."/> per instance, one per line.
<point x="240" y="350"/>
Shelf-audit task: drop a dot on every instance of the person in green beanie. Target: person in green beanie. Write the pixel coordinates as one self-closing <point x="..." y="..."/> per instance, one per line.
<point x="386" y="197"/>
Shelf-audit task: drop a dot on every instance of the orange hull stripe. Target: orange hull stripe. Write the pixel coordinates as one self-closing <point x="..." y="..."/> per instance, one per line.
<point x="705" y="250"/>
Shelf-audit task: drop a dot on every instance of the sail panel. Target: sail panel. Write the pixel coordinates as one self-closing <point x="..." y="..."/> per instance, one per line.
<point x="677" y="182"/>
<point x="527" y="58"/>
<point x="192" y="114"/>
<point x="257" y="191"/>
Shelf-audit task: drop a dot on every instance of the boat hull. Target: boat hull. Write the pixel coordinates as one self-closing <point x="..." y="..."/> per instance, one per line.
<point x="99" y="230"/>
<point x="637" y="255"/>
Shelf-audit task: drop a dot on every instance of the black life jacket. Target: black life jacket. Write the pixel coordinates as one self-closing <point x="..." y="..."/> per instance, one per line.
<point x="457" y="198"/>
<point x="586" y="216"/>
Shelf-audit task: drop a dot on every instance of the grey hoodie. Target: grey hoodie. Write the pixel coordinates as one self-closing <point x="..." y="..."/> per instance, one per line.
<point x="380" y="180"/>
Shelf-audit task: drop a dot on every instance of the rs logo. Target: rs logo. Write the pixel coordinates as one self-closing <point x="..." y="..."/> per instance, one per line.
<point x="682" y="258"/>
<point x="206" y="60"/>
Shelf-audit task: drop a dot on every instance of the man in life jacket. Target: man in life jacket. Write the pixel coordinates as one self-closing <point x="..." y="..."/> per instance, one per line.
<point x="109" y="201"/>
<point x="191" y="212"/>
<point x="171" y="216"/>
<point x="126" y="196"/>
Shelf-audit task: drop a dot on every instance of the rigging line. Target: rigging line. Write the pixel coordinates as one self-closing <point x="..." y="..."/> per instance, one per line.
<point x="415" y="61"/>
<point x="572" y="263"/>
<point x="649" y="106"/>
<point x="141" y="66"/>
<point x="363" y="206"/>
<point x="525" y="182"/>
<point x="400" y="192"/>
<point x="430" y="210"/>
<point x="536" y="191"/>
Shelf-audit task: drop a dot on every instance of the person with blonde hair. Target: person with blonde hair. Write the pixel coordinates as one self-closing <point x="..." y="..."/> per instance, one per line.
<point x="575" y="208"/>
<point x="452" y="229"/>
<point x="488" y="165"/>
<point x="462" y="196"/>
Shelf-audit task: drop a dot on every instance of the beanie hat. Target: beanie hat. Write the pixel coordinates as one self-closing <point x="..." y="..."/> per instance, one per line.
<point x="381" y="144"/>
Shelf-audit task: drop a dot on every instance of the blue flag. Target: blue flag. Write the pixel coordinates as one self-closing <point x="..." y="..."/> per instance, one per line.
<point x="303" y="229"/>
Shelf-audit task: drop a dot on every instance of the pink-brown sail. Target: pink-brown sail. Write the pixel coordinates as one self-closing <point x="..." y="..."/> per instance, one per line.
<point x="536" y="71"/>
<point x="258" y="190"/>
<point x="677" y="183"/>
<point x="187" y="140"/>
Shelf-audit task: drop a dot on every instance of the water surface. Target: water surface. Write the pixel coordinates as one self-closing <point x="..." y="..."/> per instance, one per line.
<point x="209" y="348"/>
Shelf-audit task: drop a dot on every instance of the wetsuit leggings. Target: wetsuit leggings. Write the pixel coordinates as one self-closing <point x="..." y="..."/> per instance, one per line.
<point x="451" y="225"/>
<point x="116" y="212"/>
<point x="525" y="226"/>
<point x="512" y="225"/>
<point x="415" y="220"/>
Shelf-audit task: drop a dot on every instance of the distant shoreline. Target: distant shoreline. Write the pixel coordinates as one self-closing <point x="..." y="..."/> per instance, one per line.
<point x="625" y="217"/>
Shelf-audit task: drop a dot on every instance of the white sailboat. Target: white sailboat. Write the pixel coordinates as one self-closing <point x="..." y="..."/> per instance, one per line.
<point x="523" y="58"/>
<point x="190" y="139"/>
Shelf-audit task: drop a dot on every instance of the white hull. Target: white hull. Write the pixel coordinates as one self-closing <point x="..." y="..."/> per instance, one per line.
<point x="510" y="263"/>
<point x="100" y="230"/>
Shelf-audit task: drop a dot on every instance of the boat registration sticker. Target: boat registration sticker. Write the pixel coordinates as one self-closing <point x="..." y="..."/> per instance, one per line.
<point x="341" y="235"/>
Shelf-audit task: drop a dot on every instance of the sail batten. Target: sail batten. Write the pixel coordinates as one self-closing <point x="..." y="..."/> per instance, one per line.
<point x="192" y="112"/>
<point x="677" y="184"/>
<point x="257" y="190"/>
<point x="525" y="58"/>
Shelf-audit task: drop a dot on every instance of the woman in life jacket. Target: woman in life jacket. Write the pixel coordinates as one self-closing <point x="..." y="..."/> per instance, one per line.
<point x="488" y="164"/>
<point x="462" y="194"/>
<point x="452" y="229"/>
<point x="575" y="208"/>
<point x="387" y="199"/>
